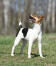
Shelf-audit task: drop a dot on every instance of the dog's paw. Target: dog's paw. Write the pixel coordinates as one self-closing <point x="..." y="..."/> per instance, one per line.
<point x="29" y="57"/>
<point x="42" y="57"/>
<point x="12" y="54"/>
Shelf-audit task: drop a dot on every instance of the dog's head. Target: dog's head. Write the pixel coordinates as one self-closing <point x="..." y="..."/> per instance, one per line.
<point x="36" y="19"/>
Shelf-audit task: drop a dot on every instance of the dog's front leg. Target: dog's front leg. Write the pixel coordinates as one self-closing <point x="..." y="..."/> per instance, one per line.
<point x="40" y="49"/>
<point x="40" y="45"/>
<point x="29" y="49"/>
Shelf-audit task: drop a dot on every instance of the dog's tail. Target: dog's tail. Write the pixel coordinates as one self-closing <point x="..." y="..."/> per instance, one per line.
<point x="19" y="27"/>
<point x="20" y="23"/>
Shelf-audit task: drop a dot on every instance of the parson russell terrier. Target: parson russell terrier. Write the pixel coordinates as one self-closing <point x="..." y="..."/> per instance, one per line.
<point x="30" y="35"/>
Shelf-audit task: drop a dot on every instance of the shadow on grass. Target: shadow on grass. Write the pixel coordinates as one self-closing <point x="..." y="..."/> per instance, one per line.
<point x="16" y="54"/>
<point x="35" y="55"/>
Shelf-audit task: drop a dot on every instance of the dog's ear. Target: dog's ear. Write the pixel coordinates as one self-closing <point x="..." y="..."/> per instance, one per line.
<point x="42" y="17"/>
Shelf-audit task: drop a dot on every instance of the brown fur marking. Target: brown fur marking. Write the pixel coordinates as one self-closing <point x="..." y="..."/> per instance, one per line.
<point x="37" y="20"/>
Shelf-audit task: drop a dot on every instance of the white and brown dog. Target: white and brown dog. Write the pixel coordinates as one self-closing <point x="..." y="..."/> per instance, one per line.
<point x="30" y="35"/>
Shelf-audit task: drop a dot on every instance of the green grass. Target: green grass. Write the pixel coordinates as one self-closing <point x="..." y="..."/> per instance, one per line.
<point x="48" y="49"/>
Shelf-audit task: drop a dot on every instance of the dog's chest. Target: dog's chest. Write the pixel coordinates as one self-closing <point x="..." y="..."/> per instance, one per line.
<point x="32" y="34"/>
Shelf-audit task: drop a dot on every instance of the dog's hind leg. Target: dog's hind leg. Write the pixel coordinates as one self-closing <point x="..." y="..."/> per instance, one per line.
<point x="16" y="42"/>
<point x="23" y="45"/>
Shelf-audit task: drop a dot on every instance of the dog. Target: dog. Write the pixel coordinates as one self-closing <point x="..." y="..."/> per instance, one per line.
<point x="30" y="35"/>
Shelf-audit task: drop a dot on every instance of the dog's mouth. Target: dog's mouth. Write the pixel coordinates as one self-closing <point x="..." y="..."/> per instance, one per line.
<point x="31" y="18"/>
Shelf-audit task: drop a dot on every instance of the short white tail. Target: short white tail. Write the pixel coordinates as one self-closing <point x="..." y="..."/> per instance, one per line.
<point x="20" y="23"/>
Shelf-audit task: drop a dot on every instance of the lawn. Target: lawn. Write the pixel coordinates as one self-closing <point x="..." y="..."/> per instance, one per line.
<point x="48" y="49"/>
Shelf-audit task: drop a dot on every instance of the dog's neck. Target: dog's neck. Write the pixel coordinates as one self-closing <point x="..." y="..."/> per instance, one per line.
<point x="37" y="26"/>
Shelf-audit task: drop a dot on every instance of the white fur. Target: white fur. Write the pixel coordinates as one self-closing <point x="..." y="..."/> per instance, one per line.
<point x="32" y="34"/>
<point x="20" y="22"/>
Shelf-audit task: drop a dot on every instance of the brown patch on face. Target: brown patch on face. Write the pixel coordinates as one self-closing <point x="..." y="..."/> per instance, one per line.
<point x="37" y="19"/>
